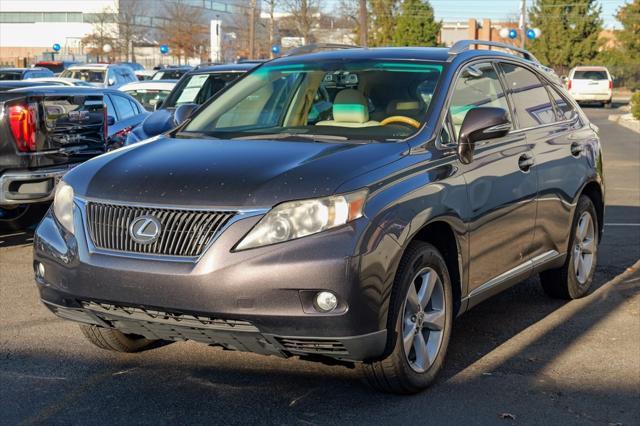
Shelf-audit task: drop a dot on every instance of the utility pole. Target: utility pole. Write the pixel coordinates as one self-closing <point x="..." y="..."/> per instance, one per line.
<point x="523" y="22"/>
<point x="252" y="30"/>
<point x="362" y="17"/>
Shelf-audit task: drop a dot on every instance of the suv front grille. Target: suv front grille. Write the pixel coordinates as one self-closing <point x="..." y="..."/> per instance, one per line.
<point x="183" y="232"/>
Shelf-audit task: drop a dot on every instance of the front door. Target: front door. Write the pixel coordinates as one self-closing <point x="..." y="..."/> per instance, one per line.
<point x="501" y="186"/>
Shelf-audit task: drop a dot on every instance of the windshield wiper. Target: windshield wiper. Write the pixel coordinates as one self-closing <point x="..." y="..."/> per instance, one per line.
<point x="192" y="135"/>
<point x="293" y="136"/>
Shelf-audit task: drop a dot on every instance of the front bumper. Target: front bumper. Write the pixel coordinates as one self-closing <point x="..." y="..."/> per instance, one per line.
<point x="257" y="300"/>
<point x="29" y="186"/>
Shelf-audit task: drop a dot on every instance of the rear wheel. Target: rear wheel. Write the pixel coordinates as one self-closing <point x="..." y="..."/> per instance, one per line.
<point x="573" y="279"/>
<point x="114" y="340"/>
<point x="421" y="313"/>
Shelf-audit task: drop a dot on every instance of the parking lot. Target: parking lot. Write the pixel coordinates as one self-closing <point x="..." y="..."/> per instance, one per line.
<point x="518" y="358"/>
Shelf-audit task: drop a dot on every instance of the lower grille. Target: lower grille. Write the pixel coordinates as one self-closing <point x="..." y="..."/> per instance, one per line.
<point x="182" y="232"/>
<point x="313" y="346"/>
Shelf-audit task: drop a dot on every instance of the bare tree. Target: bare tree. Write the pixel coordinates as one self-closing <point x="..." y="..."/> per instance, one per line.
<point x="129" y="31"/>
<point x="271" y="8"/>
<point x="103" y="32"/>
<point x="185" y="31"/>
<point x="304" y="16"/>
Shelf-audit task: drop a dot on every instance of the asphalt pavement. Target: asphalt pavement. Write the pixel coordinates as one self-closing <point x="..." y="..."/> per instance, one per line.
<point x="518" y="358"/>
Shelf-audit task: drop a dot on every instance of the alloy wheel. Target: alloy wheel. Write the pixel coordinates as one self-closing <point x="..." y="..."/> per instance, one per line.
<point x="584" y="247"/>
<point x="423" y="320"/>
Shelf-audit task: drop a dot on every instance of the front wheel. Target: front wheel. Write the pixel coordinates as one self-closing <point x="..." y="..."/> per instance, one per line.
<point x="114" y="340"/>
<point x="573" y="279"/>
<point x="421" y="321"/>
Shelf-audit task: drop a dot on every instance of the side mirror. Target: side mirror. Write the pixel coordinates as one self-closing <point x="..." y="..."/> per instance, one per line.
<point x="183" y="112"/>
<point x="158" y="104"/>
<point x="111" y="120"/>
<point x="564" y="79"/>
<point x="481" y="124"/>
<point x="111" y="81"/>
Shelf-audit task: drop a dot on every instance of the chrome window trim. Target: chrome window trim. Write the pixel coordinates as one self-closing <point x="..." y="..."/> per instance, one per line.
<point x="240" y="214"/>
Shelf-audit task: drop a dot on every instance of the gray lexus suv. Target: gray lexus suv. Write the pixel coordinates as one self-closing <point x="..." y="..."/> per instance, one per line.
<point x="342" y="206"/>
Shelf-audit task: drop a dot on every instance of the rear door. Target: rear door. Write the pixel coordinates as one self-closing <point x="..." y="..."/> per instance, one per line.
<point x="501" y="188"/>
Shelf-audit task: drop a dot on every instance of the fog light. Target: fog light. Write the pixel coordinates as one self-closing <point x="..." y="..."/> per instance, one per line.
<point x="39" y="270"/>
<point x="326" y="301"/>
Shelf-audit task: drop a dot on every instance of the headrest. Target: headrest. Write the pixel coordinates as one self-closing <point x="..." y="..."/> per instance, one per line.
<point x="403" y="107"/>
<point x="350" y="106"/>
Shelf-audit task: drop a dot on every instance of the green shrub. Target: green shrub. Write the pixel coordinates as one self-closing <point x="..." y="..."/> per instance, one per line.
<point x="635" y="105"/>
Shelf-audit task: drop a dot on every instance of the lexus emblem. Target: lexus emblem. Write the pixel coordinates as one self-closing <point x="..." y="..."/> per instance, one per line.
<point x="145" y="229"/>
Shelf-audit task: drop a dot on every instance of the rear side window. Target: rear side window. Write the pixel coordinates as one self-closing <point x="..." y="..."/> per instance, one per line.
<point x="564" y="110"/>
<point x="123" y="107"/>
<point x="530" y="98"/>
<point x="590" y="75"/>
<point x="477" y="86"/>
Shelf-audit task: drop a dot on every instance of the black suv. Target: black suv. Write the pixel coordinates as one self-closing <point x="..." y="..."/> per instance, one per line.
<point x="268" y="223"/>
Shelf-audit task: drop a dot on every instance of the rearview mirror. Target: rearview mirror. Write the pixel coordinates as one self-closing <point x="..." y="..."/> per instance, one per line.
<point x="183" y="112"/>
<point x="111" y="81"/>
<point x="481" y="124"/>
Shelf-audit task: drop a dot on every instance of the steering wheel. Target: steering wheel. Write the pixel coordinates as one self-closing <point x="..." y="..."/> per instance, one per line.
<point x="400" y="119"/>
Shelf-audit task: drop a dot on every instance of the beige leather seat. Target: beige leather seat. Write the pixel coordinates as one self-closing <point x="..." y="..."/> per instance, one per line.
<point x="350" y="109"/>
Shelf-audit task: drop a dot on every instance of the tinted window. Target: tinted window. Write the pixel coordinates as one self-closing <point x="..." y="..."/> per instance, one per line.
<point x="477" y="86"/>
<point x="111" y="111"/>
<point x="10" y="75"/>
<point x="564" y="110"/>
<point x="530" y="98"/>
<point x="123" y="106"/>
<point x="590" y="75"/>
<point x="148" y="97"/>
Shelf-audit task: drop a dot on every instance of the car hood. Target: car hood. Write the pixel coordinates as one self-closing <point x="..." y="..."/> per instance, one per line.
<point x="221" y="173"/>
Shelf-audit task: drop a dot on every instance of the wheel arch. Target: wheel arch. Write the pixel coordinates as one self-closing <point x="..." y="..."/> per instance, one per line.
<point x="440" y="233"/>
<point x="594" y="191"/>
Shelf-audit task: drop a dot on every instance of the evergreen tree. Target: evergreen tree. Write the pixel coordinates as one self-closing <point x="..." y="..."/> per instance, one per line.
<point x="570" y="32"/>
<point x="629" y="36"/>
<point x="382" y="18"/>
<point x="416" y="25"/>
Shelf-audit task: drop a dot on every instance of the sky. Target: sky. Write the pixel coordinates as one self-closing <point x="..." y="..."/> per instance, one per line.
<point x="452" y="10"/>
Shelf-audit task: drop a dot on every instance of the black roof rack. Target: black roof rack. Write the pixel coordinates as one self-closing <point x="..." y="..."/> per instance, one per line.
<point x="316" y="47"/>
<point x="462" y="45"/>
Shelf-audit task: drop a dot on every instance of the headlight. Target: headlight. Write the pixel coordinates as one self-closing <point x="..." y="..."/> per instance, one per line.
<point x="297" y="219"/>
<point x="63" y="205"/>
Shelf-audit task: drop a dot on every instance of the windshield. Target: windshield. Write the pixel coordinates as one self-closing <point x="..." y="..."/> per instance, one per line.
<point x="90" y="76"/>
<point x="197" y="88"/>
<point x="168" y="75"/>
<point x="361" y="100"/>
<point x="148" y="97"/>
<point x="10" y="75"/>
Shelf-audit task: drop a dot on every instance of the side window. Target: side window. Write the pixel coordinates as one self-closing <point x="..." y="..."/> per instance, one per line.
<point x="123" y="106"/>
<point x="477" y="86"/>
<point x="111" y="111"/>
<point x="136" y="110"/>
<point x="111" y="77"/>
<point x="530" y="98"/>
<point x="564" y="110"/>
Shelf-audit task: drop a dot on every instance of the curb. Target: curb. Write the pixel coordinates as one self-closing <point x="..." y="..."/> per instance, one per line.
<point x="623" y="120"/>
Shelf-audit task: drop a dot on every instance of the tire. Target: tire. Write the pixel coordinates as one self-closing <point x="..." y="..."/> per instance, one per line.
<point x="406" y="374"/>
<point x="114" y="340"/>
<point x="573" y="279"/>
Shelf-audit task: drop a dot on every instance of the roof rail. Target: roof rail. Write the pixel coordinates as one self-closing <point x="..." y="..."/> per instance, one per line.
<point x="316" y="47"/>
<point x="462" y="45"/>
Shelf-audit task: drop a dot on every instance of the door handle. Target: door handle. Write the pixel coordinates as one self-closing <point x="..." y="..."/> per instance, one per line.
<point x="526" y="161"/>
<point x="576" y="148"/>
